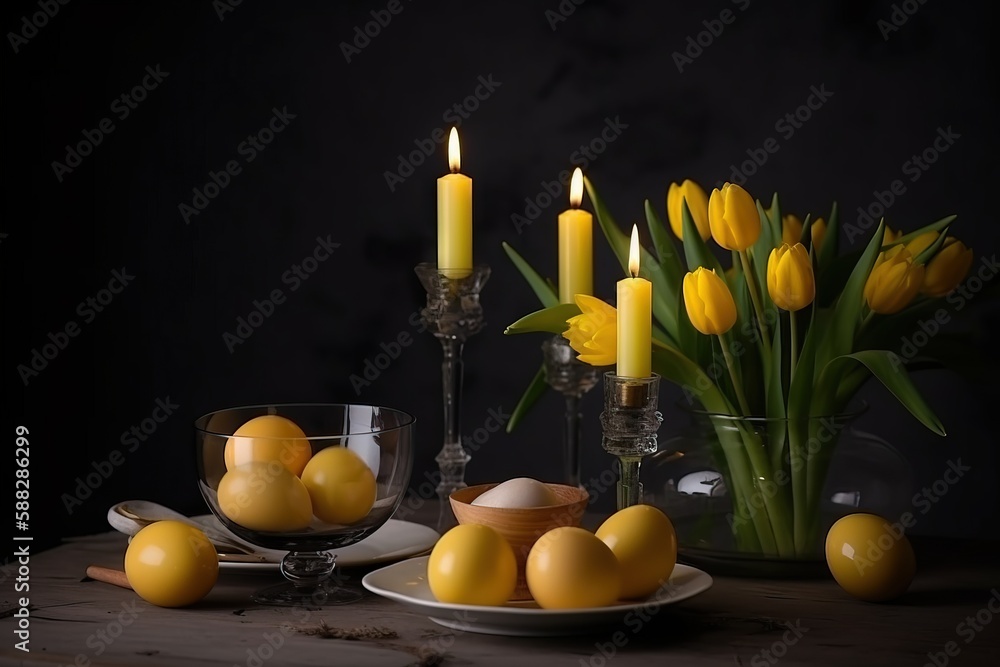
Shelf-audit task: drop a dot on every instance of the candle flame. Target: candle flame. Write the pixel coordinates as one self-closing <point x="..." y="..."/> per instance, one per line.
<point x="576" y="188"/>
<point x="633" y="253"/>
<point x="454" y="153"/>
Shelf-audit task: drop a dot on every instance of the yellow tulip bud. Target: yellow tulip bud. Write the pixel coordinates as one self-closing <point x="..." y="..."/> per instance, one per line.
<point x="890" y="236"/>
<point x="817" y="232"/>
<point x="733" y="217"/>
<point x="894" y="281"/>
<point x="709" y="304"/>
<point x="947" y="268"/>
<point x="790" y="280"/>
<point x="922" y="242"/>
<point x="697" y="202"/>
<point x="791" y="229"/>
<point x="594" y="332"/>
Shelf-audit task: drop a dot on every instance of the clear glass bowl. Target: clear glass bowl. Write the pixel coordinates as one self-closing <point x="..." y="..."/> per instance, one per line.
<point x="380" y="437"/>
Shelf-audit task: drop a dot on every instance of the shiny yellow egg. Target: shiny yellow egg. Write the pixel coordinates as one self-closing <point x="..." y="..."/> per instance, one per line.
<point x="570" y="568"/>
<point x="472" y="564"/>
<point x="643" y="540"/>
<point x="171" y="564"/>
<point x="340" y="484"/>
<point x="869" y="557"/>
<point x="269" y="438"/>
<point x="265" y="496"/>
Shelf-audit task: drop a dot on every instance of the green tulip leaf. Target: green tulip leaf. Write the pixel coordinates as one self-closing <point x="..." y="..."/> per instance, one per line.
<point x="774" y="216"/>
<point x="928" y="253"/>
<point x="540" y="287"/>
<point x="847" y="311"/>
<point x="759" y="255"/>
<point x="671" y="364"/>
<point x="550" y="320"/>
<point x="775" y="400"/>
<point x="933" y="227"/>
<point x="531" y="395"/>
<point x="884" y="365"/>
<point x="696" y="251"/>
<point x="618" y="240"/>
<point x="831" y="240"/>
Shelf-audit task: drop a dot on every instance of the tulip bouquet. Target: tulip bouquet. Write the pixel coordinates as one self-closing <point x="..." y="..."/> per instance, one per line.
<point x="785" y="336"/>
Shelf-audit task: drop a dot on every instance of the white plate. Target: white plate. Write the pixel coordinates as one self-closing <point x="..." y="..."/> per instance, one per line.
<point x="406" y="582"/>
<point x="395" y="540"/>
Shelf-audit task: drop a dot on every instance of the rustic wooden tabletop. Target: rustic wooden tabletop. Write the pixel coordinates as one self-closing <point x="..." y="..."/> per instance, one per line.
<point x="945" y="618"/>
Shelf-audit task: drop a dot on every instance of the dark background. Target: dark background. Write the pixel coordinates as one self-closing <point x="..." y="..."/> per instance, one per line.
<point x="325" y="175"/>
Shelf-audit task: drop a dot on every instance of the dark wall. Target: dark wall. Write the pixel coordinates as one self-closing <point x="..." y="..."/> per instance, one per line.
<point x="555" y="84"/>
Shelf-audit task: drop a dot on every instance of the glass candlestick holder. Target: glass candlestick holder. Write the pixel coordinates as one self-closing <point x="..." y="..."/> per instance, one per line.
<point x="571" y="378"/>
<point x="629" y="424"/>
<point x="453" y="313"/>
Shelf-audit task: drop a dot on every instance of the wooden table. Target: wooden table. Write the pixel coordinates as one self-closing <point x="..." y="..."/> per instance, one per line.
<point x="738" y="621"/>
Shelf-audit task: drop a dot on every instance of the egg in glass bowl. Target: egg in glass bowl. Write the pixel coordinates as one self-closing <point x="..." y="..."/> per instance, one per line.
<point x="306" y="479"/>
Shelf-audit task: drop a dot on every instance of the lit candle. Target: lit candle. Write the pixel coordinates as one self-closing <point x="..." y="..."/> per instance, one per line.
<point x="454" y="207"/>
<point x="576" y="245"/>
<point x="635" y="318"/>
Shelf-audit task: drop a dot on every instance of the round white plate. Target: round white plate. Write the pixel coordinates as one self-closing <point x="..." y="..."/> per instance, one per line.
<point x="406" y="582"/>
<point x="394" y="541"/>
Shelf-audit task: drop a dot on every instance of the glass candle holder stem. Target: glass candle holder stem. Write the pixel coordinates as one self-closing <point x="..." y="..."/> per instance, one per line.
<point x="572" y="378"/>
<point x="629" y="424"/>
<point x="452" y="314"/>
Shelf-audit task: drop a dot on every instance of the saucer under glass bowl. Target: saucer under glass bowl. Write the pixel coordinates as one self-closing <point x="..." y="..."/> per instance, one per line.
<point x="348" y="495"/>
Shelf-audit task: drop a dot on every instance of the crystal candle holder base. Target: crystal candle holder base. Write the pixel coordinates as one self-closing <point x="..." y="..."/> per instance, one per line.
<point x="629" y="424"/>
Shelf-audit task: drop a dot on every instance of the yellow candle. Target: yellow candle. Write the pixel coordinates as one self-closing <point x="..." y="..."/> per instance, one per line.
<point x="635" y="318"/>
<point x="576" y="245"/>
<point x="454" y="208"/>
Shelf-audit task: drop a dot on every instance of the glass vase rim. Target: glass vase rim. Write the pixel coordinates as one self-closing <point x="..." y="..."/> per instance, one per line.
<point x="204" y="418"/>
<point x="853" y="411"/>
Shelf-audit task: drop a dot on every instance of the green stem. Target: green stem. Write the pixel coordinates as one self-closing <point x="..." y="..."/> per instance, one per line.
<point x="758" y="309"/>
<point x="794" y="330"/>
<point x="737" y="385"/>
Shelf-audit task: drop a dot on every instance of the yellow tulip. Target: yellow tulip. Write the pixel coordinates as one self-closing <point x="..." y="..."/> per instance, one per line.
<point x="817" y="232"/>
<point x="709" y="304"/>
<point x="891" y="236"/>
<point x="947" y="268"/>
<point x="790" y="278"/>
<point x="894" y="281"/>
<point x="791" y="231"/>
<point x="697" y="202"/>
<point x="733" y="217"/>
<point x="594" y="332"/>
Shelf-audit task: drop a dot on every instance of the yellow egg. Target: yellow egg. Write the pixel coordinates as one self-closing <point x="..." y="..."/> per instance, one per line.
<point x="472" y="564"/>
<point x="870" y="558"/>
<point x="341" y="485"/>
<point x="171" y="564"/>
<point x="265" y="496"/>
<point x="269" y="438"/>
<point x="569" y="568"/>
<point x="645" y="544"/>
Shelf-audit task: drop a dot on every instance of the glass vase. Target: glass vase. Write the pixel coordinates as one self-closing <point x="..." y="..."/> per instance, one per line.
<point x="756" y="496"/>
